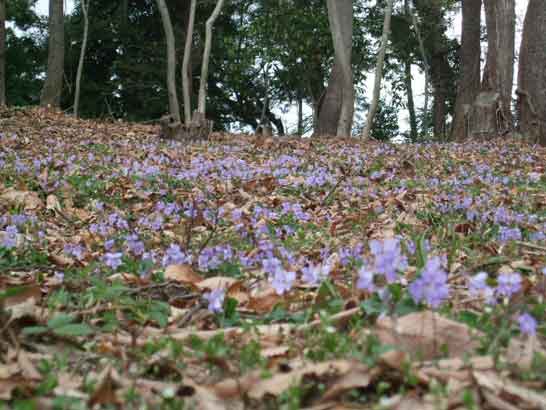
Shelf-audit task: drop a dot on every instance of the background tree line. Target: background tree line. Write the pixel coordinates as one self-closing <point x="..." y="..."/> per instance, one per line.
<point x="268" y="55"/>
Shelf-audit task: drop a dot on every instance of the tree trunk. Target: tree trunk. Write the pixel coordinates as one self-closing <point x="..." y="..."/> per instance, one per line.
<point x="2" y="52"/>
<point x="532" y="74"/>
<point x="329" y="105"/>
<point x="300" y="116"/>
<point x="411" y="103"/>
<point x="340" y="17"/>
<point x="206" y="58"/>
<point x="186" y="73"/>
<point x="85" y="10"/>
<point x="53" y="86"/>
<point x="499" y="70"/>
<point x="379" y="70"/>
<point x="489" y="80"/>
<point x="424" y="57"/>
<point x="437" y="46"/>
<point x="469" y="78"/>
<point x="174" y="108"/>
<point x="441" y="75"/>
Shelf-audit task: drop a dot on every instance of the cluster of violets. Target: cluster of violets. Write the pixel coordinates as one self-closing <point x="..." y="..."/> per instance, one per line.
<point x="121" y="237"/>
<point x="508" y="284"/>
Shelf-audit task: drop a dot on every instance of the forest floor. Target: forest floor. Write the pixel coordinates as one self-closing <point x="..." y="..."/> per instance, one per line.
<point x="249" y="273"/>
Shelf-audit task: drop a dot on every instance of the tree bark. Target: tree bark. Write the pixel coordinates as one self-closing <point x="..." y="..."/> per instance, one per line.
<point x="469" y="78"/>
<point x="2" y="52"/>
<point x="532" y="74"/>
<point x="441" y="75"/>
<point x="300" y="116"/>
<point x="201" y="107"/>
<point x="186" y="78"/>
<point x="53" y="86"/>
<point x="174" y="108"/>
<point x="437" y="46"/>
<point x="499" y="70"/>
<point x="424" y="57"/>
<point x="340" y="17"/>
<point x="85" y="10"/>
<point x="411" y="103"/>
<point x="379" y="70"/>
<point x="329" y="104"/>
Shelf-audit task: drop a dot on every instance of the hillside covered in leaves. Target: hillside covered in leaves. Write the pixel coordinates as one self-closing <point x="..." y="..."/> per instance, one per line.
<point x="264" y="273"/>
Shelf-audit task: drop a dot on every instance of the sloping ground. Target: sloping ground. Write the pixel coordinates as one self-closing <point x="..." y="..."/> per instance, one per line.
<point x="267" y="273"/>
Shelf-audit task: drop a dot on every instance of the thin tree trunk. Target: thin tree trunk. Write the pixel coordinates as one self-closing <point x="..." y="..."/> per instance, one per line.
<point x="499" y="71"/>
<point x="532" y="74"/>
<point x="411" y="103"/>
<point x="186" y="89"/>
<point x="469" y="78"/>
<point x="408" y="82"/>
<point x="424" y="57"/>
<point x="489" y="80"/>
<point x="85" y="10"/>
<point x="379" y="71"/>
<point x="340" y="17"/>
<point x="201" y="107"/>
<point x="53" y="86"/>
<point x="300" y="116"/>
<point x="174" y="108"/>
<point x="2" y="52"/>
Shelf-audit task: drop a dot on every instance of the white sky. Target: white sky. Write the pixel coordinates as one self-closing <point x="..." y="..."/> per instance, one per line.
<point x="42" y="6"/>
<point x="290" y="118"/>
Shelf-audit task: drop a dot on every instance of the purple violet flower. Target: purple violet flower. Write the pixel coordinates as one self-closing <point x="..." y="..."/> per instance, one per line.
<point x="527" y="324"/>
<point x="365" y="279"/>
<point x="215" y="300"/>
<point x="431" y="287"/>
<point x="508" y="284"/>
<point x="175" y="256"/>
<point x="10" y="237"/>
<point x="314" y="274"/>
<point x="113" y="260"/>
<point x="388" y="258"/>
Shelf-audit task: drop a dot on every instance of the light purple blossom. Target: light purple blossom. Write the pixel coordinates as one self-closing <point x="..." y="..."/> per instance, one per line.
<point x="388" y="258"/>
<point x="109" y="244"/>
<point x="271" y="265"/>
<point x="314" y="274"/>
<point x="113" y="260"/>
<point x="365" y="279"/>
<point x="282" y="280"/>
<point x="478" y="287"/>
<point x="215" y="300"/>
<point x="509" y="234"/>
<point x="478" y="283"/>
<point x="135" y="245"/>
<point x="431" y="287"/>
<point x="75" y="250"/>
<point x="175" y="256"/>
<point x="527" y="324"/>
<point x="10" y="237"/>
<point x="508" y="284"/>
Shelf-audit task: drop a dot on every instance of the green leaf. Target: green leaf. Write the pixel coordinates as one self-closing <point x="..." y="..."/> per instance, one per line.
<point x="73" y="329"/>
<point x="13" y="291"/>
<point x="60" y="320"/>
<point x="35" y="330"/>
<point x="372" y="306"/>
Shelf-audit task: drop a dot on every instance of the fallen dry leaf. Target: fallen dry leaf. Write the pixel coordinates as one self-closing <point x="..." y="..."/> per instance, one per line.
<point x="427" y="335"/>
<point x="183" y="274"/>
<point x="27" y="199"/>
